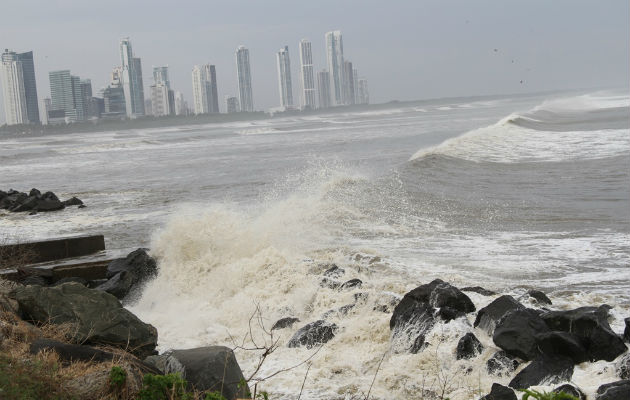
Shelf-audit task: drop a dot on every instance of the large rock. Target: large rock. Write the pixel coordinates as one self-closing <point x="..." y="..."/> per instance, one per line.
<point x="468" y="347"/>
<point x="570" y="390"/>
<point x="488" y="316"/>
<point x="410" y="323"/>
<point x="445" y="295"/>
<point x="286" y="322"/>
<point x="208" y="369"/>
<point x="98" y="317"/>
<point x="125" y="274"/>
<point x="502" y="364"/>
<point x="626" y="332"/>
<point x="313" y="334"/>
<point x="517" y="333"/>
<point x="563" y="344"/>
<point x="545" y="370"/>
<point x="591" y="325"/>
<point x="500" y="392"/>
<point x="614" y="391"/>
<point x="623" y="367"/>
<point x="478" y="290"/>
<point x="539" y="296"/>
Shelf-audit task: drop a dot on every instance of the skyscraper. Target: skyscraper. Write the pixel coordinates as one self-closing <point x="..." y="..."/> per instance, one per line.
<point x="66" y="96"/>
<point x="334" y="56"/>
<point x="131" y="80"/>
<point x="19" y="88"/>
<point x="323" y="88"/>
<point x="231" y="104"/>
<point x="244" y="79"/>
<point x="114" y="105"/>
<point x="306" y="75"/>
<point x="348" y="83"/>
<point x="162" y="97"/>
<point x="205" y="96"/>
<point x="284" y="78"/>
<point x="181" y="107"/>
<point x="363" y="94"/>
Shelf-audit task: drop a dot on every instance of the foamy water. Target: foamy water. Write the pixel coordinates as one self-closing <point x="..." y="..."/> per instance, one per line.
<point x="506" y="193"/>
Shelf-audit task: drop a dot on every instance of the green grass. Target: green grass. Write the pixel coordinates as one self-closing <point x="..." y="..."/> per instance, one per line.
<point x="29" y="380"/>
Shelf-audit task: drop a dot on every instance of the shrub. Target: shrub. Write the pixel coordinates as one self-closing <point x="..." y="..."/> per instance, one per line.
<point x="535" y="394"/>
<point x="117" y="377"/>
<point x="164" y="387"/>
<point x="30" y="379"/>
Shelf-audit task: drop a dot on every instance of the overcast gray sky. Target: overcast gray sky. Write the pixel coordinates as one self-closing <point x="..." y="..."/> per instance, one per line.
<point x="406" y="49"/>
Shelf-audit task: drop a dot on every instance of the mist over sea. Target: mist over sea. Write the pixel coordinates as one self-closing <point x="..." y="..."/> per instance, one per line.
<point x="508" y="193"/>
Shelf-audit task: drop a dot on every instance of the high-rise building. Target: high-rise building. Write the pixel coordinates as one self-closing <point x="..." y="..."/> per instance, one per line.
<point x="231" y="104"/>
<point x="363" y="94"/>
<point x="162" y="97"/>
<point x="355" y="75"/>
<point x="284" y="78"/>
<point x="114" y="105"/>
<point x="46" y="107"/>
<point x="244" y="79"/>
<point x="90" y="108"/>
<point x="306" y="75"/>
<point x="348" y="83"/>
<point x="131" y="80"/>
<point x="205" y="95"/>
<point x="334" y="56"/>
<point x="66" y="96"/>
<point x="181" y="107"/>
<point x="323" y="88"/>
<point x="19" y="88"/>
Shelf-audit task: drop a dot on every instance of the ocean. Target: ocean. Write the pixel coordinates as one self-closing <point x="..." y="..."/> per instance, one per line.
<point x="505" y="192"/>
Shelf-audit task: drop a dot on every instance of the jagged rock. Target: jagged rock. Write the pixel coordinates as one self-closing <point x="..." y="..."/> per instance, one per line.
<point x="468" y="347"/>
<point x="352" y="283"/>
<point x="445" y="295"/>
<point x="563" y="344"/>
<point x="448" y="314"/>
<point x="418" y="344"/>
<point x="98" y="317"/>
<point x="488" y="316"/>
<point x="34" y="193"/>
<point x="78" y="280"/>
<point x="73" y="201"/>
<point x="572" y="390"/>
<point x="124" y="274"/>
<point x="329" y="283"/>
<point x="614" y="391"/>
<point x="626" y="332"/>
<point x="313" y="334"/>
<point x="70" y="352"/>
<point x="591" y="325"/>
<point x="479" y="290"/>
<point x="500" y="392"/>
<point x="501" y="363"/>
<point x="209" y="369"/>
<point x="49" y="205"/>
<point x="546" y="370"/>
<point x="285" y="323"/>
<point x="539" y="296"/>
<point x="334" y="272"/>
<point x="50" y="196"/>
<point x="410" y="321"/>
<point x="623" y="367"/>
<point x="516" y="333"/>
<point x="28" y="204"/>
<point x="158" y="362"/>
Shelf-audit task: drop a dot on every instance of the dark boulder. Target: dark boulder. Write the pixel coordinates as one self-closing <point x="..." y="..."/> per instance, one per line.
<point x="419" y="344"/>
<point x="563" y="344"/>
<point x="614" y="391"/>
<point x="478" y="290"/>
<point x="73" y="201"/>
<point x="313" y="334"/>
<point x="34" y="193"/>
<point x="119" y="285"/>
<point x="446" y="295"/>
<point x="539" y="296"/>
<point x="501" y="363"/>
<point x="125" y="274"/>
<point x="488" y="316"/>
<point x="590" y="324"/>
<point x="50" y="196"/>
<point x="447" y="314"/>
<point x="352" y="283"/>
<point x="571" y="390"/>
<point x="468" y="347"/>
<point x="546" y="370"/>
<point x="97" y="317"/>
<point x="49" y="205"/>
<point x="516" y="333"/>
<point x="28" y="204"/>
<point x="500" y="392"/>
<point x="70" y="352"/>
<point x="410" y="321"/>
<point x="626" y="332"/>
<point x="334" y="272"/>
<point x="285" y="323"/>
<point x="208" y="369"/>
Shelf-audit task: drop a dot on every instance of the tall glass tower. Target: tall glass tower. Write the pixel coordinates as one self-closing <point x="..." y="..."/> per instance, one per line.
<point x="334" y="56"/>
<point x="284" y="77"/>
<point x="244" y="79"/>
<point x="19" y="88"/>
<point x="131" y="80"/>
<point x="306" y="75"/>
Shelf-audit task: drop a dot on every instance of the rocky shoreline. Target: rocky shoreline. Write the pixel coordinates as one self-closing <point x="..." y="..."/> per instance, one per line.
<point x="548" y="342"/>
<point x="34" y="201"/>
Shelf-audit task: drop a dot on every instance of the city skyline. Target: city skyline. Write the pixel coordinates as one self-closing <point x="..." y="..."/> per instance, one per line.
<point x="443" y="50"/>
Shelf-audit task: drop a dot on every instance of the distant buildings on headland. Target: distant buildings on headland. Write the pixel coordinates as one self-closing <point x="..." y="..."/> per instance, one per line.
<point x="72" y="99"/>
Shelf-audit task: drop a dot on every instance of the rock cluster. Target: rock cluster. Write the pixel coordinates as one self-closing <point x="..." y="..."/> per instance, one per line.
<point x="34" y="201"/>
